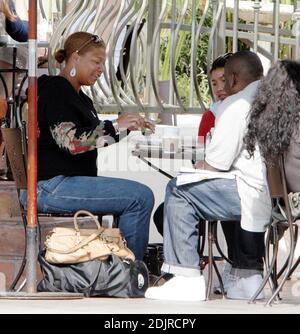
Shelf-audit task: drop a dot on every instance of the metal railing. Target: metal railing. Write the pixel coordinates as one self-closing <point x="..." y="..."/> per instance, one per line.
<point x="140" y="33"/>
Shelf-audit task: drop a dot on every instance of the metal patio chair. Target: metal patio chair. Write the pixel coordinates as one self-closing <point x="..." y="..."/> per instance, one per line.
<point x="16" y="148"/>
<point x="282" y="222"/>
<point x="211" y="259"/>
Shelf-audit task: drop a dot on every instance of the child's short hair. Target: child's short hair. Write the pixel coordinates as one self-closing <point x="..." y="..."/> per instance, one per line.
<point x="220" y="61"/>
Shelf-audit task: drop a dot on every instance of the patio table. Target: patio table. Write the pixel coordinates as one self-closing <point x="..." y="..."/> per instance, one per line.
<point x="147" y="151"/>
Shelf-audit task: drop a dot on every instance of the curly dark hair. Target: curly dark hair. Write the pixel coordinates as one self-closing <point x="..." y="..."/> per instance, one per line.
<point x="275" y="113"/>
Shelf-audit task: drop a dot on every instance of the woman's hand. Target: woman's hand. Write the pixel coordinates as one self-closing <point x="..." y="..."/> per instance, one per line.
<point x="130" y="121"/>
<point x="148" y="124"/>
<point x="133" y="121"/>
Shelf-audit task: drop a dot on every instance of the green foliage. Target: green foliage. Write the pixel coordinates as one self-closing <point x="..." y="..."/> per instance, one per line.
<point x="184" y="47"/>
<point x="183" y="57"/>
<point x="285" y="51"/>
<point x="288" y="2"/>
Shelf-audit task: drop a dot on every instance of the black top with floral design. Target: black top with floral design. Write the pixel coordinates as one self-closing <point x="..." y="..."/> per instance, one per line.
<point x="69" y="130"/>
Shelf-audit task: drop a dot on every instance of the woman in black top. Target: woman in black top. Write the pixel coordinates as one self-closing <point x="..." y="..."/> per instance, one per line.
<point x="70" y="133"/>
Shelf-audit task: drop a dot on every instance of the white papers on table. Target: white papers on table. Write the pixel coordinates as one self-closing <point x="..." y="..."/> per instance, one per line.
<point x="191" y="175"/>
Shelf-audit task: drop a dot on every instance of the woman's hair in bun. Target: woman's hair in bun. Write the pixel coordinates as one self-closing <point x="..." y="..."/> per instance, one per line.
<point x="80" y="40"/>
<point x="60" y="56"/>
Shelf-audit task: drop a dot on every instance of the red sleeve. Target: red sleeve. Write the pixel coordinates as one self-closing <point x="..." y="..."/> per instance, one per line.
<point x="207" y="122"/>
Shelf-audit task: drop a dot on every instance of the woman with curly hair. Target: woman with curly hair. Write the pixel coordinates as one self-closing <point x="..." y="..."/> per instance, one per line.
<point x="274" y="122"/>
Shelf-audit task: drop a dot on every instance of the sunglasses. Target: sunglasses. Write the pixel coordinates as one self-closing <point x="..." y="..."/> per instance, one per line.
<point x="94" y="39"/>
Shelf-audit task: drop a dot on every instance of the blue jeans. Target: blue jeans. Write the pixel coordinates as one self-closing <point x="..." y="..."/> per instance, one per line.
<point x="131" y="201"/>
<point x="18" y="29"/>
<point x="186" y="206"/>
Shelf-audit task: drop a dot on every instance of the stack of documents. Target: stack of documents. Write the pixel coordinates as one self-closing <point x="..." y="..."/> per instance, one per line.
<point x="191" y="175"/>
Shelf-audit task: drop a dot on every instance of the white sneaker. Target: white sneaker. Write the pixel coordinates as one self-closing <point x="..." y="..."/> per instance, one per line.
<point x="245" y="288"/>
<point x="179" y="288"/>
<point x="227" y="279"/>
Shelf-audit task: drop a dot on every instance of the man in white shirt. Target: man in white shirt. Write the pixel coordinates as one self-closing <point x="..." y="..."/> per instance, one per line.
<point x="244" y="198"/>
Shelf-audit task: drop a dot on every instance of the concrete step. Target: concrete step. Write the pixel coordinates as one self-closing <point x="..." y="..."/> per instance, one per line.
<point x="9" y="204"/>
<point x="12" y="244"/>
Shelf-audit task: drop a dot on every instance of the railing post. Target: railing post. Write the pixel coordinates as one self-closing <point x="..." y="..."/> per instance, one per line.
<point x="221" y="35"/>
<point x="154" y="8"/>
<point x="256" y="7"/>
<point x="215" y="4"/>
<point x="173" y="28"/>
<point x="296" y="18"/>
<point x="194" y="47"/>
<point x="64" y="8"/>
<point x="276" y="29"/>
<point x="235" y="26"/>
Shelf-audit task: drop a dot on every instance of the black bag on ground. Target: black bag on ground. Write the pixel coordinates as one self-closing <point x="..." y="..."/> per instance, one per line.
<point x="111" y="278"/>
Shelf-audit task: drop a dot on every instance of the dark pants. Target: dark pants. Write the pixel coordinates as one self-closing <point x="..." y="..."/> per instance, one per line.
<point x="239" y="242"/>
<point x="158" y="219"/>
<point x="240" y="246"/>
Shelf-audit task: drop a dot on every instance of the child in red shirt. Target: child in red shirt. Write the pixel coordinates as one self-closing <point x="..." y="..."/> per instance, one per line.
<point x="216" y="75"/>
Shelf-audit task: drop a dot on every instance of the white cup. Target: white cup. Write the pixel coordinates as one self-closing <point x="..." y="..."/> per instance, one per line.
<point x="171" y="140"/>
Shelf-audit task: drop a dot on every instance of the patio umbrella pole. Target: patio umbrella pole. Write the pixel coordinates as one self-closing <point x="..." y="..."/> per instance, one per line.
<point x="32" y="244"/>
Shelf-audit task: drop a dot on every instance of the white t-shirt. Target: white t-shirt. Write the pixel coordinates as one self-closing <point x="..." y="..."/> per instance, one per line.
<point x="226" y="152"/>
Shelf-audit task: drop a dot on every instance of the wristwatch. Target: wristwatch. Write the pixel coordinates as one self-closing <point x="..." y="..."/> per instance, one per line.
<point x="116" y="127"/>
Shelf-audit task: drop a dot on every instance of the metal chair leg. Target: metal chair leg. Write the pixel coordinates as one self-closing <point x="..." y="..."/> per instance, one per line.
<point x="294" y="267"/>
<point x="210" y="260"/>
<point x="22" y="285"/>
<point x="296" y="231"/>
<point x="24" y="260"/>
<point x="270" y="267"/>
<point x="288" y="269"/>
<point x="202" y="238"/>
<point x="218" y="245"/>
<point x="216" y="242"/>
<point x="219" y="277"/>
<point x="282" y="270"/>
<point x="212" y="237"/>
<point x="19" y="274"/>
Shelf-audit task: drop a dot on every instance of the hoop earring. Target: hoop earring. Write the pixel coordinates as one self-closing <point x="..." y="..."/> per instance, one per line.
<point x="73" y="72"/>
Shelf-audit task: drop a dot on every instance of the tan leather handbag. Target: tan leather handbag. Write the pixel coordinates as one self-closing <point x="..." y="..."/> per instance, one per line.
<point x="68" y="245"/>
